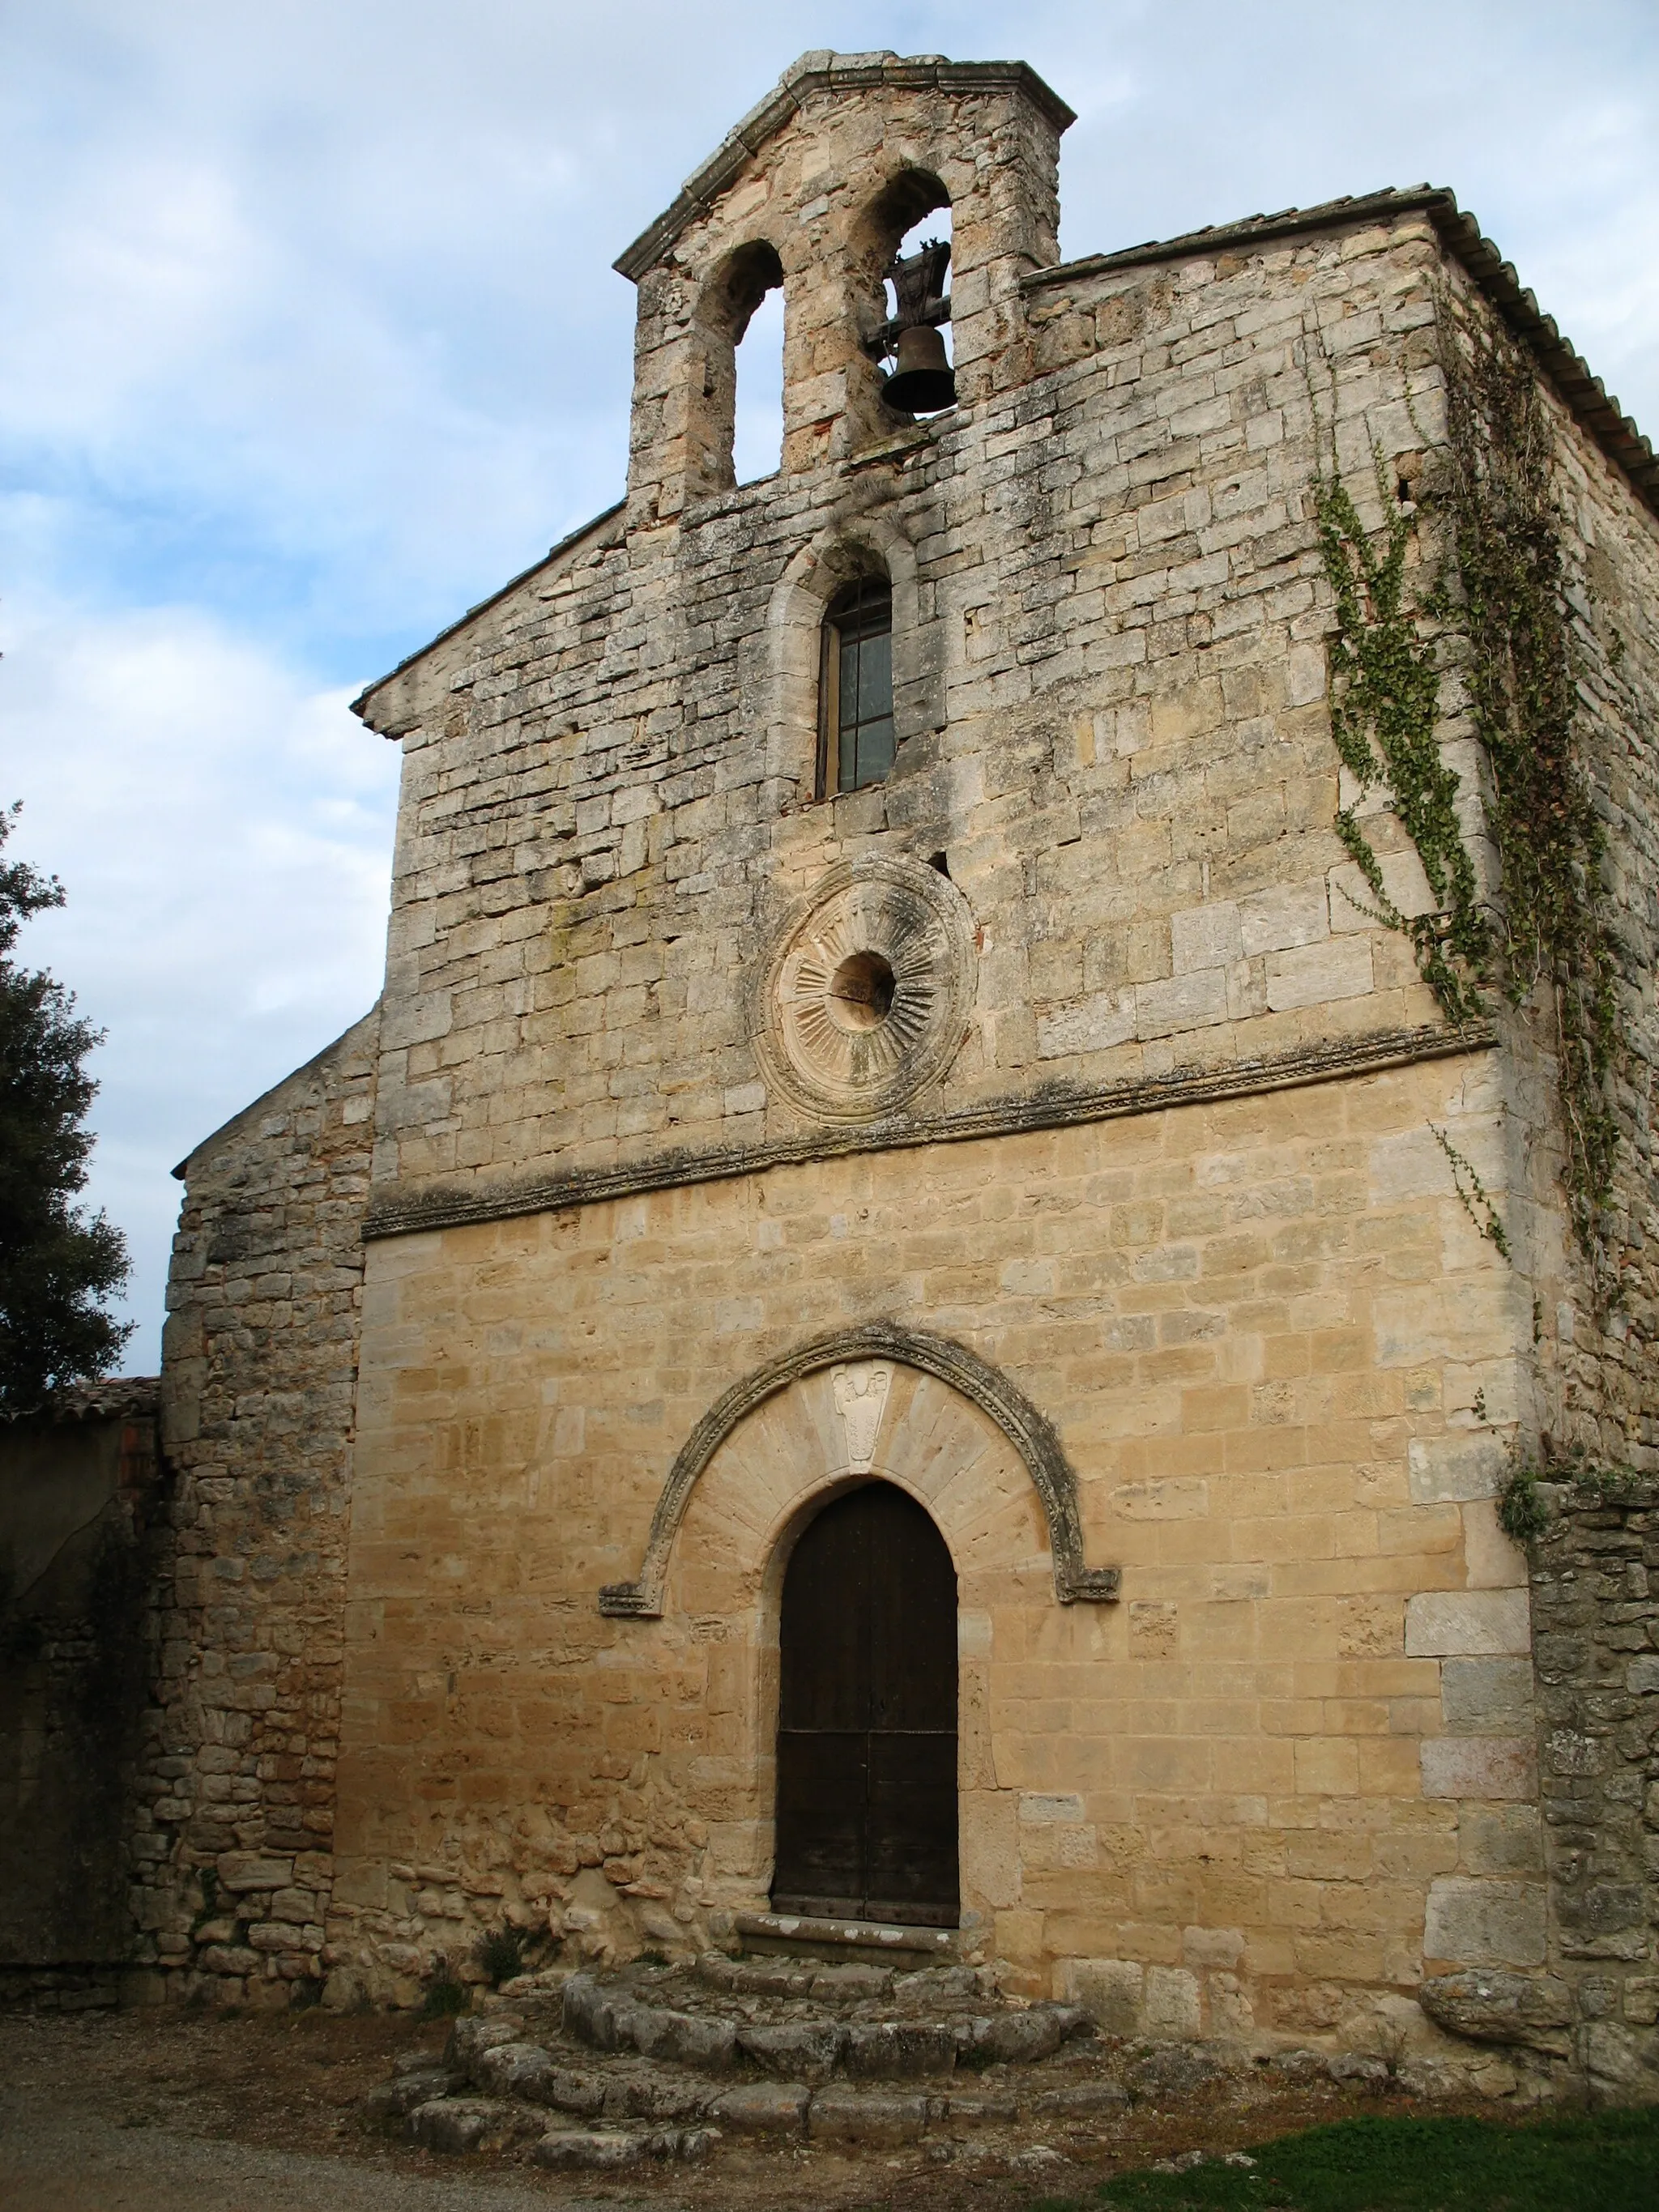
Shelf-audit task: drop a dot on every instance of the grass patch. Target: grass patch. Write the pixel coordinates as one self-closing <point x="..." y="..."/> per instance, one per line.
<point x="1582" y="2162"/>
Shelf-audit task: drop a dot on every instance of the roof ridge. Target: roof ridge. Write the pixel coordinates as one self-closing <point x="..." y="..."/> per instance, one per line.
<point x="822" y="69"/>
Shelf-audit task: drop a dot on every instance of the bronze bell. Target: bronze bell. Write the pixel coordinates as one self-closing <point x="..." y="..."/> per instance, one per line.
<point x="924" y="380"/>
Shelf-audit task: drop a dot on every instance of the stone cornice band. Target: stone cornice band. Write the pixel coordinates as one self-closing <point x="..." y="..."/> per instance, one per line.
<point x="1056" y="1106"/>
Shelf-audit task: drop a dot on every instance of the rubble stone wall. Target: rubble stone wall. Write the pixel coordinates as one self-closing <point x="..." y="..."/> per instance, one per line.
<point x="1595" y="1613"/>
<point x="234" y="1833"/>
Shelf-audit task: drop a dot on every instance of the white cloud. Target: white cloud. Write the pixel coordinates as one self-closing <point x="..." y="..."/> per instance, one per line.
<point x="224" y="835"/>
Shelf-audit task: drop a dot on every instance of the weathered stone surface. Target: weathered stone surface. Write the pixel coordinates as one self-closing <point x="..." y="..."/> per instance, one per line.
<point x="1490" y="2007"/>
<point x="461" y="2123"/>
<point x="1458" y="1623"/>
<point x="564" y="2149"/>
<point x="762" y="2108"/>
<point x="1079" y="2100"/>
<point x="1174" y="2069"/>
<point x="1019" y="2038"/>
<point x="804" y="2051"/>
<point x="645" y="2093"/>
<point x="834" y="1983"/>
<point x="1486" y="1922"/>
<point x="515" y="2069"/>
<point x="711" y="2044"/>
<point x="1487" y="1697"/>
<point x="1479" y="1766"/>
<point x="588" y="2014"/>
<point x="901" y="2049"/>
<point x="866" y="2117"/>
<point x="395" y="2099"/>
<point x="570" y="2090"/>
<point x="471" y="2037"/>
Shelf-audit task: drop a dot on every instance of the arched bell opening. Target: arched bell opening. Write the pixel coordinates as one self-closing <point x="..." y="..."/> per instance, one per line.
<point x="734" y="296"/>
<point x="867" y="1822"/>
<point x="908" y="251"/>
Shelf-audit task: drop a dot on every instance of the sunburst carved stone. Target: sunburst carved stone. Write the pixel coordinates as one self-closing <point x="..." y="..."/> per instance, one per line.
<point x="868" y="991"/>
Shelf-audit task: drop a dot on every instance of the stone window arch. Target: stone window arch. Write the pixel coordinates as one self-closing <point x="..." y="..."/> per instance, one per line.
<point x="793" y="697"/>
<point x="727" y="301"/>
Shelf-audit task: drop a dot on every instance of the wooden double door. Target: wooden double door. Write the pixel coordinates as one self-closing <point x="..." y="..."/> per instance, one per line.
<point x="866" y="1810"/>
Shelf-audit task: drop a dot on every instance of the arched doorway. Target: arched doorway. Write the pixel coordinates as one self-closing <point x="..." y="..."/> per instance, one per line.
<point x="866" y="1812"/>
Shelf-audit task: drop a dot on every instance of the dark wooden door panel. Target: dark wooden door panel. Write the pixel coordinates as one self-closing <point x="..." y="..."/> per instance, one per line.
<point x="821" y="1821"/>
<point x="911" y="1827"/>
<point x="867" y="1716"/>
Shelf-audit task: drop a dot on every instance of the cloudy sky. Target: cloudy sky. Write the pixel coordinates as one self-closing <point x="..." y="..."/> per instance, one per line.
<point x="313" y="340"/>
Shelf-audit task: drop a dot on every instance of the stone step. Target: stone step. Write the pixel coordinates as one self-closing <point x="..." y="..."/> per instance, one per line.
<point x="803" y="1936"/>
<point x="797" y="2020"/>
<point x="685" y="2120"/>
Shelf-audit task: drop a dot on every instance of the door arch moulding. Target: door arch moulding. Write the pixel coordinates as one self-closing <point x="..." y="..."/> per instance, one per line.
<point x="1032" y="1437"/>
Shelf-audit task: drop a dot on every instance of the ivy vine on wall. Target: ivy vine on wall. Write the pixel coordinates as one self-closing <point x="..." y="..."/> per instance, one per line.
<point x="1385" y="688"/>
<point x="1508" y="566"/>
<point x="1500" y="590"/>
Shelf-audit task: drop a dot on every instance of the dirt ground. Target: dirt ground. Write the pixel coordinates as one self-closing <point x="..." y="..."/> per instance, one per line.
<point x="171" y="2111"/>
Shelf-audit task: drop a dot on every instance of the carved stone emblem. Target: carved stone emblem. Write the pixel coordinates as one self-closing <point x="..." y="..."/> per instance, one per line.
<point x="867" y="993"/>
<point x="860" y="1394"/>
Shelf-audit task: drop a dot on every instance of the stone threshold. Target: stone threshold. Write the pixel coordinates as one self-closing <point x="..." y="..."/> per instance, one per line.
<point x="1054" y="1106"/>
<point x="767" y="1934"/>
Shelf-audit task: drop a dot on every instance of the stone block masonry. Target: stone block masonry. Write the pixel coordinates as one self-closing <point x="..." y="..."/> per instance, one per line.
<point x="1160" y="1141"/>
<point x="1595" y="1574"/>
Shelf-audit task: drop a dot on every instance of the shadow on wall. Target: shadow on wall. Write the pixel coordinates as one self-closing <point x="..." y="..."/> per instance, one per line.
<point x="78" y="1489"/>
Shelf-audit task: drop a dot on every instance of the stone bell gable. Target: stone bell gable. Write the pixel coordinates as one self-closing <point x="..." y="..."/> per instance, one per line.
<point x="880" y="990"/>
<point x="814" y="190"/>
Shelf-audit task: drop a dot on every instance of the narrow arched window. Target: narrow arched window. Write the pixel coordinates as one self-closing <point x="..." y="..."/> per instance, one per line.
<point x="855" y="694"/>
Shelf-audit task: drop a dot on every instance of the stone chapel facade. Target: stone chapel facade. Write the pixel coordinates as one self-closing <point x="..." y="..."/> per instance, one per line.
<point x="1049" y="1127"/>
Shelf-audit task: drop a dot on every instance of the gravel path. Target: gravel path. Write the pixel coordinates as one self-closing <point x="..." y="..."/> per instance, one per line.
<point x="61" y="2159"/>
<point x="56" y="2158"/>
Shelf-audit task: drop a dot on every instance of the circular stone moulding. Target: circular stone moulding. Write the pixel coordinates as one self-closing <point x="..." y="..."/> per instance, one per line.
<point x="868" y="990"/>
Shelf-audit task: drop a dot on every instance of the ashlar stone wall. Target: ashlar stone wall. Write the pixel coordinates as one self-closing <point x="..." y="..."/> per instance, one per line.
<point x="1110" y="630"/>
<point x="1230" y="1803"/>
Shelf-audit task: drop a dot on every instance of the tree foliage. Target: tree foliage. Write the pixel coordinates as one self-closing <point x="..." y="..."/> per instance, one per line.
<point x="58" y="1264"/>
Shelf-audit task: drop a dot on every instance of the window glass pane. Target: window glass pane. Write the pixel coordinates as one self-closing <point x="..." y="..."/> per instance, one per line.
<point x="849" y="682"/>
<point x="876" y="677"/>
<point x="875" y="752"/>
<point x="860" y="625"/>
<point x="846" y="767"/>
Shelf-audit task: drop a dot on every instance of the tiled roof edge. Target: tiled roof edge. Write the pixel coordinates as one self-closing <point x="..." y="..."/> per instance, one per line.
<point x="1583" y="392"/>
<point x="822" y="70"/>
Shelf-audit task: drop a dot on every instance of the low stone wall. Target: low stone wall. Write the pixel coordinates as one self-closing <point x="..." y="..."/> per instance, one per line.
<point x="79" y="1485"/>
